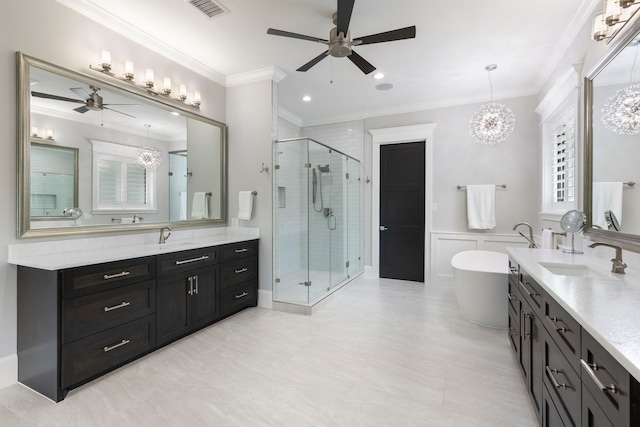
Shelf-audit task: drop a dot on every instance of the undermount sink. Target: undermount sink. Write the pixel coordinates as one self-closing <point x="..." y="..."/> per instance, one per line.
<point x="577" y="270"/>
<point x="168" y="245"/>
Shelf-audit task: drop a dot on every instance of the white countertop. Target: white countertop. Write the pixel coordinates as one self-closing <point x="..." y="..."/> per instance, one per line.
<point x="608" y="309"/>
<point x="61" y="254"/>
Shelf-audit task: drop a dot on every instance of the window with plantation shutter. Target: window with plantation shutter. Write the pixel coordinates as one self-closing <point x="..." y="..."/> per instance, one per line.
<point x="564" y="163"/>
<point x="119" y="183"/>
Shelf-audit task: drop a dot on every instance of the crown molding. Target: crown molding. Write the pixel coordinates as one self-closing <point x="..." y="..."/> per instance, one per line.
<point x="267" y="73"/>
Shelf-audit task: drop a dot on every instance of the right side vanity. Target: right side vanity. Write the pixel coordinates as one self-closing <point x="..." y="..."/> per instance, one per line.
<point x="574" y="328"/>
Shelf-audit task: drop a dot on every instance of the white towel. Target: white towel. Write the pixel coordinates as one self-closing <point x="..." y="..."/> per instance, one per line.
<point x="548" y="239"/>
<point x="200" y="207"/>
<point x="245" y="205"/>
<point x="606" y="196"/>
<point x="183" y="206"/>
<point x="481" y="209"/>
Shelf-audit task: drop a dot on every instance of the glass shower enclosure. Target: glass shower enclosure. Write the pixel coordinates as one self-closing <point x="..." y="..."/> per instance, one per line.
<point x="317" y="220"/>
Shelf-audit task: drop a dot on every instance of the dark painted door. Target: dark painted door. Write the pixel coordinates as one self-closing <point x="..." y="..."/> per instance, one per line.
<point x="402" y="211"/>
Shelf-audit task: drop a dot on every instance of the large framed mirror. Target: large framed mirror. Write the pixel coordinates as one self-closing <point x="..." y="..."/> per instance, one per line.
<point x="612" y="142"/>
<point x="124" y="158"/>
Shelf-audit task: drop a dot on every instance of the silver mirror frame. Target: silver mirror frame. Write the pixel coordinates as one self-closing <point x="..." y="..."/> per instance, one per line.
<point x="23" y="131"/>
<point x="624" y="240"/>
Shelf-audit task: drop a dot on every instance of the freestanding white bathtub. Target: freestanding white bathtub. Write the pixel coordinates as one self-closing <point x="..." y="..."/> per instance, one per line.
<point x="480" y="279"/>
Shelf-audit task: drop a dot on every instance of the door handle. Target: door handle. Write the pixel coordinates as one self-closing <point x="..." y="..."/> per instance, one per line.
<point x="383" y="228"/>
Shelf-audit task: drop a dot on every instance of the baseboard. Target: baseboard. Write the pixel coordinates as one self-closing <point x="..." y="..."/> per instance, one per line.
<point x="368" y="272"/>
<point x="265" y="298"/>
<point x="8" y="370"/>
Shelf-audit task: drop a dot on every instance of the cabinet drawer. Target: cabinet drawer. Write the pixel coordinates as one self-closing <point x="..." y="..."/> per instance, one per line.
<point x="238" y="271"/>
<point x="513" y="294"/>
<point x="564" y="330"/>
<point x="599" y="368"/>
<point x="99" y="277"/>
<point x="531" y="291"/>
<point x="238" y="296"/>
<point x="238" y="250"/>
<point x="562" y="381"/>
<point x="592" y="415"/>
<point x="85" y="358"/>
<point x="552" y="415"/>
<point x="514" y="332"/>
<point x="514" y="270"/>
<point x="187" y="260"/>
<point x="101" y="310"/>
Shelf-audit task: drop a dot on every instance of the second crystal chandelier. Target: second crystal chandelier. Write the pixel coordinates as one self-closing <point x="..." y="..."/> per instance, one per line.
<point x="492" y="123"/>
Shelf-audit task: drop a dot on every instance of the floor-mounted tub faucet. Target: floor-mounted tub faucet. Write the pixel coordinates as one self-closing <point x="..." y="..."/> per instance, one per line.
<point x="164" y="237"/>
<point x="618" y="264"/>
<point x="532" y="243"/>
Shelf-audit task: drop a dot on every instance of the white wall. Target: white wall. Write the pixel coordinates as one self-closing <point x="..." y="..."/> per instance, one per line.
<point x="50" y="31"/>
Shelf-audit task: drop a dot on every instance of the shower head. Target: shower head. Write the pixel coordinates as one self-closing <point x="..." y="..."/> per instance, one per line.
<point x="323" y="169"/>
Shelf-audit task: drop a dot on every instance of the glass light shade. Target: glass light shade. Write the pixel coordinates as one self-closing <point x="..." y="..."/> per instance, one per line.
<point x="612" y="12"/>
<point x="49" y="133"/>
<point x="148" y="158"/>
<point x="166" y="86"/>
<point x="106" y="60"/>
<point x="149" y="79"/>
<point x="128" y="69"/>
<point x="197" y="97"/>
<point x="492" y="123"/>
<point x="600" y="28"/>
<point x="621" y="112"/>
<point x="183" y="92"/>
<point x="34" y="131"/>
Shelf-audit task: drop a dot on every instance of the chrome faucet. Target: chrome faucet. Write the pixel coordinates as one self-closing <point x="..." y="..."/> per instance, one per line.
<point x="532" y="243"/>
<point x="164" y="237"/>
<point x="137" y="218"/>
<point x="618" y="264"/>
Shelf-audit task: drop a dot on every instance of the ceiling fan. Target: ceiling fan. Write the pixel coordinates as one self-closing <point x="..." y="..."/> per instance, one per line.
<point x="92" y="101"/>
<point x="340" y="42"/>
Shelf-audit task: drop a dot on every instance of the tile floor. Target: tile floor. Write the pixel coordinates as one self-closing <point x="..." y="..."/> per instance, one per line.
<point x="379" y="353"/>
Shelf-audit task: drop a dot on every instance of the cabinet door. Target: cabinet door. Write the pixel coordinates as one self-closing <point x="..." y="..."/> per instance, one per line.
<point x="173" y="294"/>
<point x="550" y="414"/>
<point x="592" y="414"/>
<point x="532" y="354"/>
<point x="562" y="383"/>
<point x="204" y="297"/>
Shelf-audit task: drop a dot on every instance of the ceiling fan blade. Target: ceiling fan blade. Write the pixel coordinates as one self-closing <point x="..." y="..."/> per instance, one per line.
<point x="55" y="97"/>
<point x="116" y="111"/>
<point x="361" y="63"/>
<point x="81" y="92"/>
<point x="387" y="36"/>
<point x="81" y="110"/>
<point x="313" y="62"/>
<point x="275" y="32"/>
<point x="345" y="8"/>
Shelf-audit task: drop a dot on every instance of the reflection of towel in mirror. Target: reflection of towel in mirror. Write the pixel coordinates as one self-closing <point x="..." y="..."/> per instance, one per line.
<point x="481" y="209"/>
<point x="200" y="207"/>
<point x="606" y="196"/>
<point x="245" y="205"/>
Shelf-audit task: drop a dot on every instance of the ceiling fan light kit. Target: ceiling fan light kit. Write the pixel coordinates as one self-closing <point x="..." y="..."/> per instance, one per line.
<point x="340" y="44"/>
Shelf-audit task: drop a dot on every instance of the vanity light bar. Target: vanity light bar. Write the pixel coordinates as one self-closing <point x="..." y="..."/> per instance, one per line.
<point x="149" y="82"/>
<point x="614" y="16"/>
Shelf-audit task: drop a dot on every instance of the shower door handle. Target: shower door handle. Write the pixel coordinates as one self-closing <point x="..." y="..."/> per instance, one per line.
<point x="383" y="228"/>
<point x="335" y="221"/>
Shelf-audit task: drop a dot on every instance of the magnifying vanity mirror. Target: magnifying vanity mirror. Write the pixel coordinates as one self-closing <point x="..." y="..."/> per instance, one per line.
<point x="97" y="155"/>
<point x="573" y="222"/>
<point x="612" y="142"/>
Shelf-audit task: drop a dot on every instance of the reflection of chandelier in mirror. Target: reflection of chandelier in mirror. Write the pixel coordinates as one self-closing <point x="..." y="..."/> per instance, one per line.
<point x="492" y="123"/>
<point x="621" y="111"/>
<point x="615" y="14"/>
<point x="147" y="157"/>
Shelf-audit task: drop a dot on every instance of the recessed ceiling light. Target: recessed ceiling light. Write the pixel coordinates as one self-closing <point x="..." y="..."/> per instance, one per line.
<point x="306" y="98"/>
<point x="378" y="76"/>
<point x="384" y="86"/>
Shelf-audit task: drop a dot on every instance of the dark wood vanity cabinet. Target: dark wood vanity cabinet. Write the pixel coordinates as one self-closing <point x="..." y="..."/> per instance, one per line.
<point x="78" y="323"/>
<point x="583" y="385"/>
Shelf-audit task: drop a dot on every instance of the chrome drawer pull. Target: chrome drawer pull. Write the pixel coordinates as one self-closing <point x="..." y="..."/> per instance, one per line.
<point x="591" y="368"/>
<point x="553" y="321"/>
<point x="242" y="295"/>
<point x="556" y="384"/>
<point x="242" y="270"/>
<point x="187" y="261"/>
<point x="512" y="297"/>
<point x="120" y="344"/>
<point x="531" y="294"/>
<point x="114" y="276"/>
<point x="115" y="307"/>
<point x="239" y="251"/>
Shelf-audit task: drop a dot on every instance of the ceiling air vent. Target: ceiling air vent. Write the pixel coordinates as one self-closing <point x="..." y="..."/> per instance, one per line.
<point x="208" y="7"/>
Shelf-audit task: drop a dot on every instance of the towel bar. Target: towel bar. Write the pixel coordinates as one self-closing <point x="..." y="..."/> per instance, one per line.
<point x="464" y="187"/>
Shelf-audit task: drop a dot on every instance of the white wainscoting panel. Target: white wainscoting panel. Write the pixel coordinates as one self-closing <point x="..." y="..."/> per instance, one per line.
<point x="444" y="245"/>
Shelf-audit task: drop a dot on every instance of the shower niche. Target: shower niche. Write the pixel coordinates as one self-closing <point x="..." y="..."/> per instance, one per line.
<point x="318" y="228"/>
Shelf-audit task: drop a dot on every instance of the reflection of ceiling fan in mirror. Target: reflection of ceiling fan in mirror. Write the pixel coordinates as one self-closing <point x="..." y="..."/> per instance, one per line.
<point x="92" y="101"/>
<point x="340" y="43"/>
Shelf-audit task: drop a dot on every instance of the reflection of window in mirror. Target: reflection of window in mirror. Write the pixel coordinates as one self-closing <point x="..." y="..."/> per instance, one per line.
<point x="53" y="179"/>
<point x="119" y="183"/>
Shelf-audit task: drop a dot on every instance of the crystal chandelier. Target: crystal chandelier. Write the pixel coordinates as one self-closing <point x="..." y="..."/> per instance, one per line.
<point x="492" y="123"/>
<point x="147" y="157"/>
<point x="621" y="111"/>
